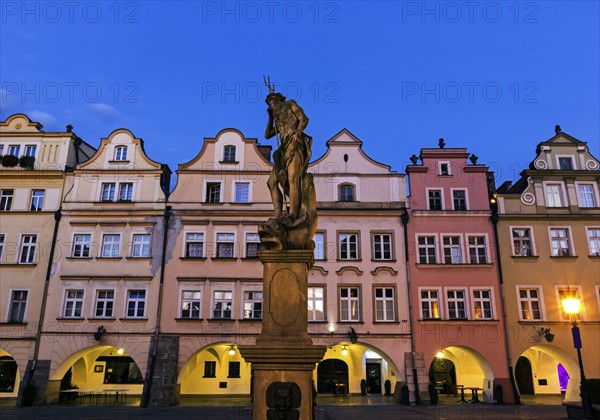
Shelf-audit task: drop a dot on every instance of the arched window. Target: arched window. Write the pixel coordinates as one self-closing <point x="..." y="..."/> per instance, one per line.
<point x="121" y="153"/>
<point x="229" y="154"/>
<point x="347" y="192"/>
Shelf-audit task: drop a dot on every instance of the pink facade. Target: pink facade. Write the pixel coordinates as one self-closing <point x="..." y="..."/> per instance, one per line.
<point x="454" y="279"/>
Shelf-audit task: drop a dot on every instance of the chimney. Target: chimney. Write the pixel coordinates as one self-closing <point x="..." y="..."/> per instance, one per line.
<point x="265" y="150"/>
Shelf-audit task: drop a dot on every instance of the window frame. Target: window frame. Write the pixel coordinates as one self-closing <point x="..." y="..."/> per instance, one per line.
<point x="233" y="367"/>
<point x="11" y="302"/>
<point x="428" y="299"/>
<point x="79" y="243"/>
<point x="125" y="188"/>
<point x="187" y="242"/>
<point x="223" y="309"/>
<point x="227" y="153"/>
<point x="466" y="199"/>
<point x="111" y="248"/>
<point x="6" y="198"/>
<point x="349" y="299"/>
<point x="594" y="194"/>
<point x="28" y="148"/>
<point x="14" y="150"/>
<point x="112" y="189"/>
<point x="389" y="234"/>
<point x="210" y="195"/>
<point x="485" y="247"/>
<point x="38" y="200"/>
<point x="343" y="194"/>
<point x="385" y="299"/>
<point x="248" y="242"/>
<point x="451" y="247"/>
<point x="323" y="247"/>
<point x="349" y="246"/>
<point x="2" y="242"/>
<point x="104" y="300"/>
<point x="247" y="192"/>
<point x="532" y="248"/>
<point x="426" y="247"/>
<point x="539" y="299"/>
<point x="75" y="300"/>
<point x="440" y="167"/>
<point x="219" y="242"/>
<point x="129" y="299"/>
<point x="596" y="240"/>
<point x="448" y="300"/>
<point x="23" y="245"/>
<point x="134" y="245"/>
<point x="119" y="156"/>
<point x="191" y="301"/>
<point x="210" y="369"/>
<point x="571" y="158"/>
<point x="312" y="312"/>
<point x="428" y="192"/>
<point x="474" y="300"/>
<point x="253" y="302"/>
<point x="561" y="194"/>
<point x="568" y="237"/>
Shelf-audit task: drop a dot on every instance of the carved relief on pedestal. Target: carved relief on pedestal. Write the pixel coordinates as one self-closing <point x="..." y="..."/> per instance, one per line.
<point x="284" y="297"/>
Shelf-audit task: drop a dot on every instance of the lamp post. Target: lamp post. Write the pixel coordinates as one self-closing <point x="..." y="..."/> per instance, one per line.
<point x="571" y="306"/>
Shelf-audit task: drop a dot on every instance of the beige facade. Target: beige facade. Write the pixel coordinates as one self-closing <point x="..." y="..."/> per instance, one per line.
<point x="549" y="236"/>
<point x="30" y="196"/>
<point x="213" y="283"/>
<point x="104" y="289"/>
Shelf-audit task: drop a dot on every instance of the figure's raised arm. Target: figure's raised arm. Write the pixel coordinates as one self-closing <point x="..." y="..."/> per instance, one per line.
<point x="271" y="129"/>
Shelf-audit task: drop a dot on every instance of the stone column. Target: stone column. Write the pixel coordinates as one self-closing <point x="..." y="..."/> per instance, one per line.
<point x="284" y="352"/>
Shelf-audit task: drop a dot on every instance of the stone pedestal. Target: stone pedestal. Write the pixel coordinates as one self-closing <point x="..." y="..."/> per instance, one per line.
<point x="284" y="352"/>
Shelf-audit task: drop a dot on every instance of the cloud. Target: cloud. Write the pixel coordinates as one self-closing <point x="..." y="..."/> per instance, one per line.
<point x="104" y="111"/>
<point x="42" y="117"/>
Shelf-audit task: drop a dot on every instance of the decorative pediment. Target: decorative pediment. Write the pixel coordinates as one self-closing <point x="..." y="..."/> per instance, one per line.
<point x="351" y="269"/>
<point x="384" y="269"/>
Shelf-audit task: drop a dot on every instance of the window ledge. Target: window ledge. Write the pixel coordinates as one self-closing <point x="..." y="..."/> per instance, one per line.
<point x="462" y="265"/>
<point x="525" y="257"/>
<point x="347" y="260"/>
<point x="229" y="162"/>
<point x="70" y="318"/>
<point x="594" y="256"/>
<point x="107" y="318"/>
<point x="133" y="319"/>
<point x="216" y="203"/>
<point x="350" y="322"/>
<point x="383" y="260"/>
<point x="564" y="257"/>
<point x="241" y="204"/>
<point x="192" y="258"/>
<point x="223" y="258"/>
<point x="221" y="319"/>
<point x="322" y="321"/>
<point x="16" y="323"/>
<point x="459" y="320"/>
<point x="109" y="258"/>
<point x="118" y="161"/>
<point x="386" y="322"/>
<point x="189" y="319"/>
<point x="18" y="264"/>
<point x="79" y="258"/>
<point x="233" y="377"/>
<point x="249" y="259"/>
<point x="250" y="320"/>
<point x="214" y="377"/>
<point x="138" y="258"/>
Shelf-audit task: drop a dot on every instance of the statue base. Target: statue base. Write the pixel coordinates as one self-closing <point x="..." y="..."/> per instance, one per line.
<point x="284" y="356"/>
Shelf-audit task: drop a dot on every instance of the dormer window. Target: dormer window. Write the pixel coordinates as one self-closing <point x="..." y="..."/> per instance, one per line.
<point x="565" y="163"/>
<point x="444" y="169"/>
<point x="121" y="153"/>
<point x="347" y="192"/>
<point x="229" y="154"/>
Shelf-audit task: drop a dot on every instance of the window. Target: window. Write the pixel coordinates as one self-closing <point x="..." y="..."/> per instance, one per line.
<point x="459" y="200"/>
<point x="522" y="244"/>
<point x="229" y="154"/>
<point x="194" y="245"/>
<point x="210" y="369"/>
<point x="444" y="169"/>
<point x="242" y="192"/>
<point x="225" y="245"/>
<point x="37" y="200"/>
<point x="108" y="191"/>
<point x="347" y="192"/>
<point x="382" y="246"/>
<point x="560" y="242"/>
<point x="141" y="246"/>
<point x="426" y="245"/>
<point x="456" y="304"/>
<point x="121" y="153"/>
<point x="430" y="304"/>
<point x="28" y="247"/>
<point x="125" y="191"/>
<point x="234" y="370"/>
<point x="565" y="163"/>
<point x="253" y="305"/>
<point x="14" y="150"/>
<point x="348" y="246"/>
<point x="349" y="301"/>
<point x="452" y="251"/>
<point x="384" y="304"/>
<point x="73" y="304"/>
<point x="316" y="303"/>
<point x="82" y="245"/>
<point x="529" y="301"/>
<point x="190" y="304"/>
<point x="593" y="241"/>
<point x="319" y="240"/>
<point x="477" y="254"/>
<point x="136" y="303"/>
<point x="213" y="192"/>
<point x="554" y="195"/>
<point x="6" y="197"/>
<point x="105" y="302"/>
<point x="435" y="200"/>
<point x="30" y="150"/>
<point x="585" y="192"/>
<point x="253" y="245"/>
<point x="111" y="245"/>
<point x="2" y="238"/>
<point x="482" y="304"/>
<point x="563" y="293"/>
<point x="222" y="304"/>
<point x="18" y="303"/>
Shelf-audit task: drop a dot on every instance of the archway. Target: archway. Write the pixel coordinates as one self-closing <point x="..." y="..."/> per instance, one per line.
<point x="9" y="375"/>
<point x="331" y="373"/>
<point x="217" y="369"/>
<point x="550" y="366"/>
<point x="524" y="376"/>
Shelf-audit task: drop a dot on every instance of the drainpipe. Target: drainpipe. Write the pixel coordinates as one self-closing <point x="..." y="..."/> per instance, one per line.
<point x="29" y="375"/>
<point x="511" y="375"/>
<point x="148" y="385"/>
<point x="404" y="217"/>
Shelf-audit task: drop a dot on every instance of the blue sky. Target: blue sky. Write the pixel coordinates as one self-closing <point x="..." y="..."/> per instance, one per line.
<point x="494" y="77"/>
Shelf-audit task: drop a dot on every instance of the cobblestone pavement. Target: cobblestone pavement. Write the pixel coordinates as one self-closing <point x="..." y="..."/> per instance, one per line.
<point x="383" y="412"/>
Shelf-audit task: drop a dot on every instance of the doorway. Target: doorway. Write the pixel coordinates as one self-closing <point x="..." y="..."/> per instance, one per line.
<point x="330" y="373"/>
<point x="524" y="377"/>
<point x="373" y="378"/>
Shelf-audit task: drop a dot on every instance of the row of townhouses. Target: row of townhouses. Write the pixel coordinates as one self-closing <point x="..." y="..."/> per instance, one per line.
<point x="432" y="276"/>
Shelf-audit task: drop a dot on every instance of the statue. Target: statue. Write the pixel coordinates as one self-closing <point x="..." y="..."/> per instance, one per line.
<point x="295" y="223"/>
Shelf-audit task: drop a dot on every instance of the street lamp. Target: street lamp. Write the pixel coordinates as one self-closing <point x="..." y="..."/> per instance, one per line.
<point x="571" y="304"/>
